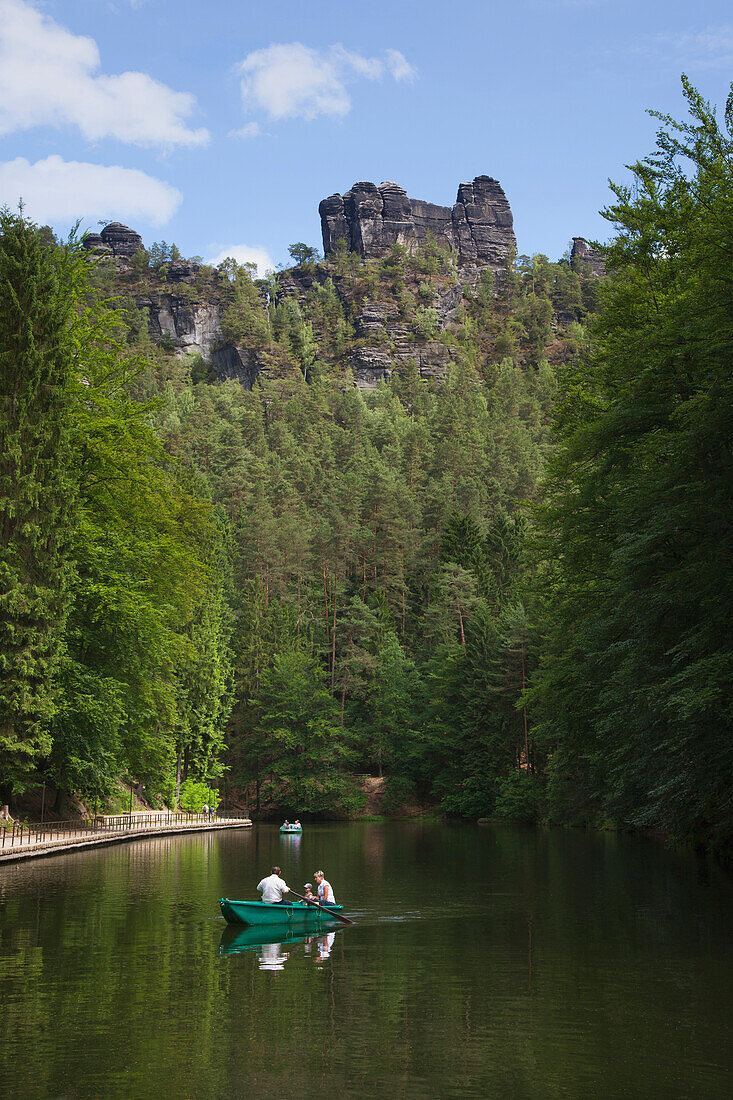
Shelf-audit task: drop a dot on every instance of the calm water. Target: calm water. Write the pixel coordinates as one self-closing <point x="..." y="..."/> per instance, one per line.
<point x="486" y="962"/>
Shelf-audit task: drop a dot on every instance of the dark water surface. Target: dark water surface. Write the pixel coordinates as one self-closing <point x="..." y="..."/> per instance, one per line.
<point x="486" y="962"/>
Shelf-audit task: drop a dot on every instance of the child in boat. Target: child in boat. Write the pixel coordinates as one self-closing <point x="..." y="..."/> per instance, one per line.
<point x="308" y="892"/>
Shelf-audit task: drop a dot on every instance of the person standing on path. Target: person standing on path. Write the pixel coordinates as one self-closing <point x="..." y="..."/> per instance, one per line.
<point x="273" y="888"/>
<point x="325" y="890"/>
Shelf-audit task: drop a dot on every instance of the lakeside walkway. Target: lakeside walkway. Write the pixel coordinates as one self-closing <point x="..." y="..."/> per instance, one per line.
<point x="21" y="841"/>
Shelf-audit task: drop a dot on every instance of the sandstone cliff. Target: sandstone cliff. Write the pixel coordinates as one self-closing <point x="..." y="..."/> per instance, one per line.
<point x="392" y="313"/>
<point x="370" y="219"/>
<point x="583" y="257"/>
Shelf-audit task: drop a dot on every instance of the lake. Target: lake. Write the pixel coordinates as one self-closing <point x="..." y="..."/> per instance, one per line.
<point x="485" y="962"/>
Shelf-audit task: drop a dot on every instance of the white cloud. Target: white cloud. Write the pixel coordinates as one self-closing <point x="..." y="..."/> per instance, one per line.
<point x="49" y="77"/>
<point x="244" y="254"/>
<point x="400" y="67"/>
<point x="58" y="191"/>
<point x="249" y="130"/>
<point x="291" y="80"/>
<point x="711" y="47"/>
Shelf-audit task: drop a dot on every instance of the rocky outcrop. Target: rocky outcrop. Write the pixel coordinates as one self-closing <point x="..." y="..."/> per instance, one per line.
<point x="187" y="321"/>
<point x="585" y="258"/>
<point x="115" y="239"/>
<point x="371" y="219"/>
<point x="370" y="365"/>
<point x="182" y="271"/>
<point x="483" y="222"/>
<point x="192" y="328"/>
<point x="389" y="345"/>
<point x="240" y="364"/>
<point x="93" y="242"/>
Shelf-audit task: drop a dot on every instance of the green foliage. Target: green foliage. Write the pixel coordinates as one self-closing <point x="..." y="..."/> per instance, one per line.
<point x="635" y="687"/>
<point x="195" y="795"/>
<point x="301" y="583"/>
<point x="303" y="254"/>
<point x="399" y="791"/>
<point x="122" y="657"/>
<point x="425" y="323"/>
<point x="42" y="336"/>
<point x="519" y="798"/>
<point x="244" y="318"/>
<point x="160" y="252"/>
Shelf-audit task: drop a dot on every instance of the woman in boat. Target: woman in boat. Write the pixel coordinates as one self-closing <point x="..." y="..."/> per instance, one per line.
<point x="325" y="890"/>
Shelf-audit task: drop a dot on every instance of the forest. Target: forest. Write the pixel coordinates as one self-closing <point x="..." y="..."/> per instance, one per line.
<point x="506" y="590"/>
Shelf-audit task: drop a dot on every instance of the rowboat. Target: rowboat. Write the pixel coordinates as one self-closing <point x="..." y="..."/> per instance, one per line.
<point x="293" y="915"/>
<point x="291" y="828"/>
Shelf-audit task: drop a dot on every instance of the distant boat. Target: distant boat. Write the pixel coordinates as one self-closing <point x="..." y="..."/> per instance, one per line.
<point x="256" y="914"/>
<point x="291" y="828"/>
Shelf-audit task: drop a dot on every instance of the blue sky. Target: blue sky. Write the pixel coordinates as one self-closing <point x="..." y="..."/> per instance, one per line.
<point x="221" y="125"/>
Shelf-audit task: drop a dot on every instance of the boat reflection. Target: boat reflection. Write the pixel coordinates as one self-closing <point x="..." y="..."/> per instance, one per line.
<point x="274" y="944"/>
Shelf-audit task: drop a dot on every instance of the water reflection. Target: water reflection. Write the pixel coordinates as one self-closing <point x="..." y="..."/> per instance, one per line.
<point x="544" y="963"/>
<point x="274" y="945"/>
<point x="324" y="944"/>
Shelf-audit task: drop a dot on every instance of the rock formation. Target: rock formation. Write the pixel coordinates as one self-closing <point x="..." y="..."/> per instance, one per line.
<point x="583" y="255"/>
<point x="191" y="328"/>
<point x="370" y="219"/>
<point x="115" y="239"/>
<point x="183" y="303"/>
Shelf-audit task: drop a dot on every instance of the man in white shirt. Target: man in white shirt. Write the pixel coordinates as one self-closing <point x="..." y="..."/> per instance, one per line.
<point x="325" y="891"/>
<point x="272" y="888"/>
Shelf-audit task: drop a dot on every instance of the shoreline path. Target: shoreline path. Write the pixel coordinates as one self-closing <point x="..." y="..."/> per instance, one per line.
<point x="22" y="841"/>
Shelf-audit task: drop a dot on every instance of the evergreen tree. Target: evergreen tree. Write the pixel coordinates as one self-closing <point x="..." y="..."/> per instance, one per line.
<point x="41" y="339"/>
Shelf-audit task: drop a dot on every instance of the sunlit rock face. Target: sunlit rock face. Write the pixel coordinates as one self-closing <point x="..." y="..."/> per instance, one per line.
<point x="582" y="255"/>
<point x="190" y="328"/>
<point x="370" y="220"/>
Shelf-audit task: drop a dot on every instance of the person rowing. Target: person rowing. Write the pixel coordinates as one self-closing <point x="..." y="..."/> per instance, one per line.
<point x="325" y="890"/>
<point x="273" y="888"/>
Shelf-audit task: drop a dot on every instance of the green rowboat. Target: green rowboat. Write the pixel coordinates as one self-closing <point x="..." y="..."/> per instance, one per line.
<point x="256" y="914"/>
<point x="291" y="829"/>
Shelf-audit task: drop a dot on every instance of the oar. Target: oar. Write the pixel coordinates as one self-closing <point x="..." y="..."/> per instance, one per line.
<point x="324" y="909"/>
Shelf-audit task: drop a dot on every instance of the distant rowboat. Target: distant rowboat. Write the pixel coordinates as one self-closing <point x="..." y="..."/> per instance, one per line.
<point x="291" y="828"/>
<point x="293" y="915"/>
